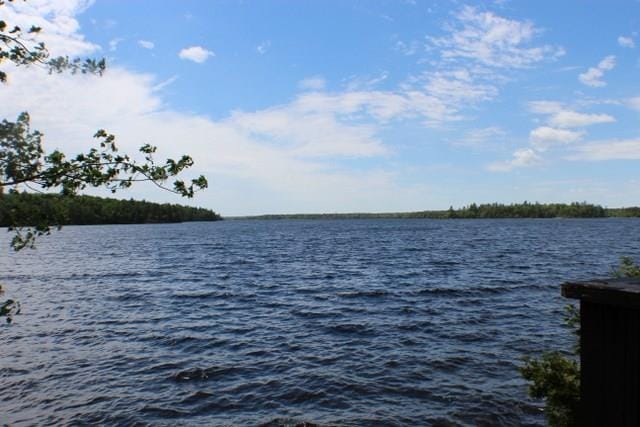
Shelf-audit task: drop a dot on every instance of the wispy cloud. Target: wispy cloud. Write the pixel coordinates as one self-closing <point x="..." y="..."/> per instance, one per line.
<point x="558" y="131"/>
<point x="572" y="119"/>
<point x="493" y="41"/>
<point x="481" y="137"/>
<point x="544" y="136"/>
<point x="369" y="82"/>
<point x="60" y="28"/>
<point x="196" y="54"/>
<point x="545" y="107"/>
<point x="563" y="117"/>
<point x="159" y="86"/>
<point x="625" y="41"/>
<point x="457" y="87"/>
<point x="263" y="47"/>
<point x="312" y="83"/>
<point x="146" y="44"/>
<point x="113" y="43"/>
<point x="408" y="48"/>
<point x="474" y="56"/>
<point x="633" y="103"/>
<point x="615" y="149"/>
<point x="521" y="158"/>
<point x="593" y="76"/>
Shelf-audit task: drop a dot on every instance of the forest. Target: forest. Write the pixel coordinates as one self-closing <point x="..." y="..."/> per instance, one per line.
<point x="487" y="210"/>
<point x="31" y="209"/>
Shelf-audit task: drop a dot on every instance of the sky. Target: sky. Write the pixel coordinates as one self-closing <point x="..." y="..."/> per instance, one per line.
<point x="350" y="106"/>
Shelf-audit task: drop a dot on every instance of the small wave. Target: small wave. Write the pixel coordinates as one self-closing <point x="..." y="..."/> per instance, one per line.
<point x="442" y="291"/>
<point x="196" y="295"/>
<point x="196" y="397"/>
<point x="449" y="364"/>
<point x="288" y="422"/>
<point x="301" y="395"/>
<point x="363" y="294"/>
<point x="164" y="412"/>
<point x="453" y="292"/>
<point x="313" y="314"/>
<point x="202" y="374"/>
<point x="351" y="328"/>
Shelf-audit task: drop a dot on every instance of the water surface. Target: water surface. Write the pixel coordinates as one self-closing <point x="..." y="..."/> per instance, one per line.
<point x="348" y="322"/>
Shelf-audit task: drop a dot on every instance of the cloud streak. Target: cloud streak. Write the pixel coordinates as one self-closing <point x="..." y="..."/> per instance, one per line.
<point x="493" y="41"/>
<point x="615" y="149"/>
<point x="593" y="76"/>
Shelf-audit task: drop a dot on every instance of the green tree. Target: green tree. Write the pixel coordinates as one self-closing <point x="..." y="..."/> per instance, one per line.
<point x="24" y="165"/>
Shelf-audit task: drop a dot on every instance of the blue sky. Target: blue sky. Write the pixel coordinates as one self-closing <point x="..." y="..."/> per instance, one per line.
<point x="342" y="106"/>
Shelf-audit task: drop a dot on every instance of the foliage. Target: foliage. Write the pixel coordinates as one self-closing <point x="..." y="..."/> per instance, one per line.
<point x="630" y="212"/>
<point x="555" y="376"/>
<point x="9" y="308"/>
<point x="626" y="268"/>
<point x="488" y="210"/>
<point x="529" y="210"/>
<point x="25" y="165"/>
<point x="33" y="209"/>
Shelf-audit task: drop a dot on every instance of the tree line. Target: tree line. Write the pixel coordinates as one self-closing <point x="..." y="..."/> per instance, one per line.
<point x="486" y="210"/>
<point x="31" y="209"/>
<point x="529" y="210"/>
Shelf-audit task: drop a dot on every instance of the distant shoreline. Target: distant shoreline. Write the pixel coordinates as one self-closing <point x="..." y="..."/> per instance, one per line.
<point x="400" y="215"/>
<point x="484" y="211"/>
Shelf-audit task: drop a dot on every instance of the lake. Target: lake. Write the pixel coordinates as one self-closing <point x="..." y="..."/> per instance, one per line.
<point x="343" y="322"/>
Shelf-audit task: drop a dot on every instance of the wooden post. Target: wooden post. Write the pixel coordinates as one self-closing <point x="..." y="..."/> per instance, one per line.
<point x="610" y="350"/>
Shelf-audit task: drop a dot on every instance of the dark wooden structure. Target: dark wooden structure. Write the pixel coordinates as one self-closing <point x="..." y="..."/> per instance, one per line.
<point x="610" y="350"/>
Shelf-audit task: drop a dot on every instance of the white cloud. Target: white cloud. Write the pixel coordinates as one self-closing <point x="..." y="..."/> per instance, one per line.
<point x="146" y="44"/>
<point x="312" y="83"/>
<point x="113" y="43"/>
<point x="616" y="149"/>
<point x="493" y="41"/>
<point x="284" y="158"/>
<point x="196" y="54"/>
<point x="60" y="28"/>
<point x="571" y="119"/>
<point x="159" y="86"/>
<point x="521" y="158"/>
<point x="454" y="85"/>
<point x="263" y="47"/>
<point x="563" y="117"/>
<point x="286" y="153"/>
<point x="354" y="83"/>
<point x="481" y="137"/>
<point x="626" y="42"/>
<point x="593" y="76"/>
<point x="408" y="48"/>
<point x="379" y="105"/>
<point x="474" y="55"/>
<point x="633" y="103"/>
<point x="543" y="137"/>
<point x="458" y="87"/>
<point x="545" y="107"/>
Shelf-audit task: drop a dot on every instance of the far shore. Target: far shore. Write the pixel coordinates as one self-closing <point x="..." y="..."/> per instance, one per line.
<point x="484" y="211"/>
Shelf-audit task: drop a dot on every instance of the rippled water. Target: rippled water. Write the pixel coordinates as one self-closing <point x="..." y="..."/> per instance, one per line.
<point x="372" y="322"/>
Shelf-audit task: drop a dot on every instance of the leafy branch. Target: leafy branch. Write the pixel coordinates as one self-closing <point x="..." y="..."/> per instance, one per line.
<point x="24" y="164"/>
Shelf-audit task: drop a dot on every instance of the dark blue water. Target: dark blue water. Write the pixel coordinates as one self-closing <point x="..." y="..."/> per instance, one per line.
<point x="373" y="322"/>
